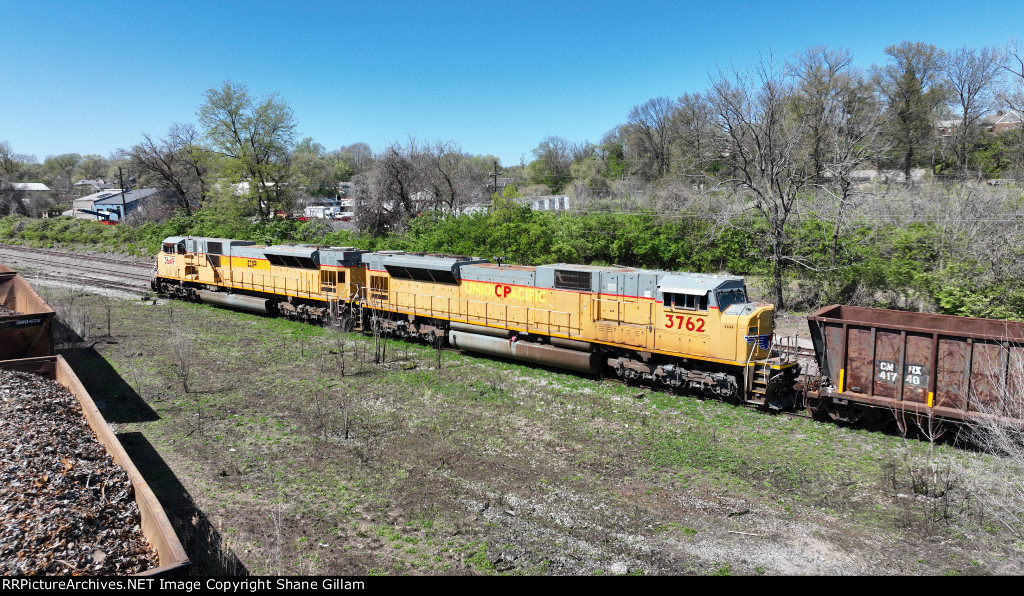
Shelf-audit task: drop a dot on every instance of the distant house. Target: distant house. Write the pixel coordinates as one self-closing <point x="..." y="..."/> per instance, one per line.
<point x="995" y="124"/>
<point x="92" y="186"/>
<point x="115" y="206"/>
<point x="33" y="193"/>
<point x="30" y="187"/>
<point x="947" y="128"/>
<point x="1001" y="122"/>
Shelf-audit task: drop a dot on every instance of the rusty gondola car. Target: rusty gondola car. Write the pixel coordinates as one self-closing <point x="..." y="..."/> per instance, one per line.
<point x="155" y="526"/>
<point x="932" y="371"/>
<point x="26" y="320"/>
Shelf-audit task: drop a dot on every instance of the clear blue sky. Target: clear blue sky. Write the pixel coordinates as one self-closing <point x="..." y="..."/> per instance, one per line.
<point x="496" y="78"/>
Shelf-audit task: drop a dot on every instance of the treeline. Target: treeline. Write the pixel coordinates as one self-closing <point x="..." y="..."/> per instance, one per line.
<point x="832" y="182"/>
<point x="954" y="250"/>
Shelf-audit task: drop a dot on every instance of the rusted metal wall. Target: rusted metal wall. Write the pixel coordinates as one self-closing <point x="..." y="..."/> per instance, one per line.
<point x="920" y="362"/>
<point x="29" y="333"/>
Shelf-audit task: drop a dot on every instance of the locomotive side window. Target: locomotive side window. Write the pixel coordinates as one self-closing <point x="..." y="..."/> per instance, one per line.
<point x="686" y="301"/>
<point x="329" y="278"/>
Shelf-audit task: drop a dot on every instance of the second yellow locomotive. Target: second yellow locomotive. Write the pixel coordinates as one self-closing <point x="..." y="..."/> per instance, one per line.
<point x="694" y="332"/>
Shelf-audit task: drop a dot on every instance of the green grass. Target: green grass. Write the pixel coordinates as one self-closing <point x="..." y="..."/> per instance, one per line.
<point x="400" y="457"/>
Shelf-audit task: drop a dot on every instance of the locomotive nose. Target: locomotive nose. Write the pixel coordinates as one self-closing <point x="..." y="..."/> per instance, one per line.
<point x="759" y="330"/>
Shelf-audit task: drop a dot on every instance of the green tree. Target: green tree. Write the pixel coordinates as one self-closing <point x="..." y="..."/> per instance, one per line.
<point x="255" y="138"/>
<point x="351" y="160"/>
<point x="91" y="167"/>
<point x="912" y="85"/>
<point x="312" y="169"/>
<point x="59" y="171"/>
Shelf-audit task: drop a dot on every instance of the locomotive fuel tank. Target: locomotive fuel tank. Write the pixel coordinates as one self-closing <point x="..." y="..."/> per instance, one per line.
<point x="587" y="362"/>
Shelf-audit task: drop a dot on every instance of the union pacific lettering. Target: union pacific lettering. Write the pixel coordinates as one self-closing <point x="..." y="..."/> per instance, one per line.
<point x="504" y="291"/>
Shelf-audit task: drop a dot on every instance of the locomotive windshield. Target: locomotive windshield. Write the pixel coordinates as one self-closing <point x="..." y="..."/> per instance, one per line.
<point x="727" y="298"/>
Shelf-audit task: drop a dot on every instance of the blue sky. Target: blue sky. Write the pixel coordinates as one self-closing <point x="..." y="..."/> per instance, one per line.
<point x="496" y="78"/>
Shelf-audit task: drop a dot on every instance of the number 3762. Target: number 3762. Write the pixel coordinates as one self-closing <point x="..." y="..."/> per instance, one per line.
<point x="688" y="323"/>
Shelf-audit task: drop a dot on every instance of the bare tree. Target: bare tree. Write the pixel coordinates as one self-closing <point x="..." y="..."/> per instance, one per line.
<point x="696" y="142"/>
<point x="650" y="133"/>
<point x="177" y="163"/>
<point x="444" y="173"/>
<point x="972" y="75"/>
<point x="11" y="199"/>
<point x="769" y="161"/>
<point x="1013" y="66"/>
<point x="851" y="137"/>
<point x="823" y="77"/>
<point x="183" y="350"/>
<point x="384" y="197"/>
<point x="10" y="164"/>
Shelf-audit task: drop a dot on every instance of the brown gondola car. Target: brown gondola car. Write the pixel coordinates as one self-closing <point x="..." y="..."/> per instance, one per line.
<point x="155" y="526"/>
<point x="28" y="333"/>
<point x="921" y="369"/>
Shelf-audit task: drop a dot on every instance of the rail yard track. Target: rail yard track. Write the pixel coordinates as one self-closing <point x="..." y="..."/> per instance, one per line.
<point x="106" y="274"/>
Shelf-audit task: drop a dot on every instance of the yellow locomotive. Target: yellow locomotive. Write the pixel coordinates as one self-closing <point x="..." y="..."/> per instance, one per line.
<point x="694" y="332"/>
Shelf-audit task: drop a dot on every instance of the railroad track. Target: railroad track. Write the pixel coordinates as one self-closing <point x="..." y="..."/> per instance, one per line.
<point x="133" y="287"/>
<point x="77" y="269"/>
<point x="50" y="253"/>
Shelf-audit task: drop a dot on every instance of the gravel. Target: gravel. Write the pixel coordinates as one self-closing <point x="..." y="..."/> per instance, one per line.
<point x="6" y="312"/>
<point x="66" y="507"/>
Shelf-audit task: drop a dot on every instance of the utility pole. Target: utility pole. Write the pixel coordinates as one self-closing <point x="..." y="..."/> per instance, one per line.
<point x="123" y="206"/>
<point x="495" y="176"/>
